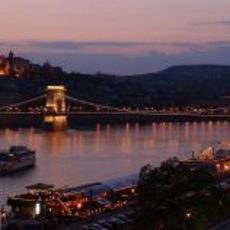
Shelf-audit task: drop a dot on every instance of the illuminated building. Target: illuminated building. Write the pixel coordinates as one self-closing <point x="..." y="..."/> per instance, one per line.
<point x="14" y="66"/>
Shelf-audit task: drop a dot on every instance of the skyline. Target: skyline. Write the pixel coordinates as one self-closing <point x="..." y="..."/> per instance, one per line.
<point x="118" y="37"/>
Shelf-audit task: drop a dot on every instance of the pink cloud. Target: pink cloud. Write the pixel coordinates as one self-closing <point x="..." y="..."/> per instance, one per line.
<point x="134" y="50"/>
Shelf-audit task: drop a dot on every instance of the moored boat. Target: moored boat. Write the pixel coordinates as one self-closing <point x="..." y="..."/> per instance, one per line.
<point x="16" y="158"/>
<point x="216" y="158"/>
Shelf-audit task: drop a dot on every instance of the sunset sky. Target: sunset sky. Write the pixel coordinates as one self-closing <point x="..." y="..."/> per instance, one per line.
<point x="117" y="36"/>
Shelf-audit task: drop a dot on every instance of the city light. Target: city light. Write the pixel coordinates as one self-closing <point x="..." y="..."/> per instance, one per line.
<point x="37" y="209"/>
<point x="188" y="215"/>
<point x="79" y="205"/>
<point x="226" y="167"/>
<point x="2" y="72"/>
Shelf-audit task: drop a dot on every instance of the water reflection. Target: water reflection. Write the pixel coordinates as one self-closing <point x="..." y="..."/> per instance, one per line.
<point x="77" y="157"/>
<point x="108" y="130"/>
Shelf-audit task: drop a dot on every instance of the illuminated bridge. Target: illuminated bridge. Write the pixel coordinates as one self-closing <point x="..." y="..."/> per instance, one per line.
<point x="55" y="107"/>
<point x="56" y="101"/>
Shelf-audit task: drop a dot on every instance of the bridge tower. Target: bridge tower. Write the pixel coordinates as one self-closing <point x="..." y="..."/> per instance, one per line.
<point x="55" y="108"/>
<point x="55" y="99"/>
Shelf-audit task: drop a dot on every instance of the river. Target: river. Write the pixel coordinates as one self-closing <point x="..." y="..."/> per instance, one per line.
<point x="74" y="157"/>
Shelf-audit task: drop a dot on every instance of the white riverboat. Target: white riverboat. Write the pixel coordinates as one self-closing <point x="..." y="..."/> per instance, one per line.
<point x="219" y="151"/>
<point x="216" y="158"/>
<point x="16" y="158"/>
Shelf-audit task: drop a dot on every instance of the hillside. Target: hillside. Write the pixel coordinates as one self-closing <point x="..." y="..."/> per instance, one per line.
<point x="197" y="85"/>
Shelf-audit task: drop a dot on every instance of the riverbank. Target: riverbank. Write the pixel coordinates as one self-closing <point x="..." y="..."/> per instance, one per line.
<point x="79" y="119"/>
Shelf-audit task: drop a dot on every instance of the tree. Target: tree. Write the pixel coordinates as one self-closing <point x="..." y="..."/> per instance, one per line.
<point x="173" y="196"/>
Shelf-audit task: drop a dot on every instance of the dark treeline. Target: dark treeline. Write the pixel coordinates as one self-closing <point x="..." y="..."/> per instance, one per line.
<point x="179" y="86"/>
<point x="174" y="196"/>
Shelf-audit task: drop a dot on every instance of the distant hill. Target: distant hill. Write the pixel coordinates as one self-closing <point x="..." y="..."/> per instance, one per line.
<point x="203" y="85"/>
<point x="178" y="86"/>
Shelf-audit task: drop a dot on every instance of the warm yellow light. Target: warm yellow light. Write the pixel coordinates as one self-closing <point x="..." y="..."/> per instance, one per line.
<point x="188" y="215"/>
<point x="49" y="119"/>
<point x="79" y="205"/>
<point x="2" y="72"/>
<point x="55" y="87"/>
<point x="55" y="119"/>
<point x="226" y="167"/>
<point x="60" y="118"/>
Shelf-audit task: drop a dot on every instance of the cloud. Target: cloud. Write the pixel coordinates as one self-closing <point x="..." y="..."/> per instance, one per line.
<point x="120" y="57"/>
<point x="212" y="23"/>
<point x="108" y="48"/>
<point x="225" y="22"/>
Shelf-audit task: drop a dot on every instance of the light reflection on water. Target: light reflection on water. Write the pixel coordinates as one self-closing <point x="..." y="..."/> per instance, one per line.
<point x="75" y="157"/>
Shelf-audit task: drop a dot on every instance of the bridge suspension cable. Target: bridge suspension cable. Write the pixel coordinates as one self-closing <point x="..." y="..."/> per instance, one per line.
<point x="23" y="102"/>
<point x="93" y="104"/>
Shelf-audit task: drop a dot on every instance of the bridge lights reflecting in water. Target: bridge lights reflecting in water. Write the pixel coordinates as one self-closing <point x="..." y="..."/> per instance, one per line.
<point x="55" y="122"/>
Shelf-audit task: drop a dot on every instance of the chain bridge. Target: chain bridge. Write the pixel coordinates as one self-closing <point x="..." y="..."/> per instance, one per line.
<point x="56" y="108"/>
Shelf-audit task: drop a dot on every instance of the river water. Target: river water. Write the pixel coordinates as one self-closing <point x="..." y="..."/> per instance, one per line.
<point x="74" y="157"/>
